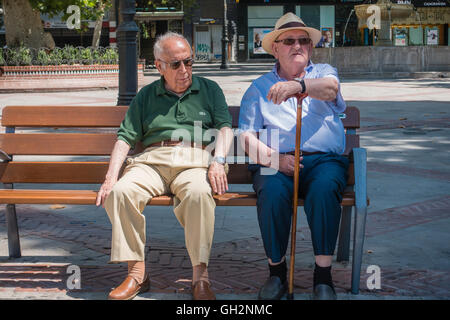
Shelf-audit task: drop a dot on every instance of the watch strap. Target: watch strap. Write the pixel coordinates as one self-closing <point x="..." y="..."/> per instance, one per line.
<point x="302" y="83"/>
<point x="220" y="160"/>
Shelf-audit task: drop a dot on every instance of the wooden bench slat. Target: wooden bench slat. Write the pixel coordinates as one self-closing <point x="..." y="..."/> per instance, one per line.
<point x="88" y="197"/>
<point x="95" y="172"/>
<point x="58" y="143"/>
<point x="102" y="116"/>
<point x="63" y="116"/>
<point x="88" y="144"/>
<point x="351" y="121"/>
<point x="18" y="196"/>
<point x="53" y="172"/>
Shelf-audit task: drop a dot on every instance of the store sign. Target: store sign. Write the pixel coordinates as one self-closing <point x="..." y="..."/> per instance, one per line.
<point x="55" y="24"/>
<point x="426" y="16"/>
<point x="424" y="3"/>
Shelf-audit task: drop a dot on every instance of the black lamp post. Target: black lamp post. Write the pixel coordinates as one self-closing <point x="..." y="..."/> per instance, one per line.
<point x="225" y="40"/>
<point x="127" y="43"/>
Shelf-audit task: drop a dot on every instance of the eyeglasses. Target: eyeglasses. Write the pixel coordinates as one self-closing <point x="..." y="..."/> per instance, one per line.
<point x="176" y="64"/>
<point x="290" y="42"/>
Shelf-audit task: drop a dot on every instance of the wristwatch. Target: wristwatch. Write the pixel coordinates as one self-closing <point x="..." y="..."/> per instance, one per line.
<point x="302" y="83"/>
<point x="219" y="160"/>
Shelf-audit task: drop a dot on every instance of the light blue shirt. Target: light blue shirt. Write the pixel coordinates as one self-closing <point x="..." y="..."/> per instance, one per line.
<point x="322" y="129"/>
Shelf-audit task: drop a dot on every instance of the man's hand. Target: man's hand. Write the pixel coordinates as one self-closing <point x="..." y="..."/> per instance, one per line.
<point x="218" y="178"/>
<point x="287" y="163"/>
<point x="104" y="191"/>
<point x="118" y="156"/>
<point x="283" y="90"/>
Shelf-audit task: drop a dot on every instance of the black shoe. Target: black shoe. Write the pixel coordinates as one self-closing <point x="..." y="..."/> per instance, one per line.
<point x="324" y="292"/>
<point x="272" y="289"/>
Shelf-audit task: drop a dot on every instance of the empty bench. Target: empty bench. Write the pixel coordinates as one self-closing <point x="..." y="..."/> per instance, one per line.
<point x="90" y="131"/>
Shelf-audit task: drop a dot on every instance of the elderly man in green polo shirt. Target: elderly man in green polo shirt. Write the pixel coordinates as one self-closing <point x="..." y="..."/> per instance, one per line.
<point x="174" y="117"/>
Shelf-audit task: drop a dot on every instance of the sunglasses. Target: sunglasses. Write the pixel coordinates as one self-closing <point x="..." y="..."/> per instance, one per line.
<point x="290" y="42"/>
<point x="176" y="64"/>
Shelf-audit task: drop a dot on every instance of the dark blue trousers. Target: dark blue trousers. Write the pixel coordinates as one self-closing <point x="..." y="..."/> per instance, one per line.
<point x="322" y="181"/>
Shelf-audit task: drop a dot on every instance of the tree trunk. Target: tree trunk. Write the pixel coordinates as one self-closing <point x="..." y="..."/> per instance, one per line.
<point x="23" y="26"/>
<point x="97" y="31"/>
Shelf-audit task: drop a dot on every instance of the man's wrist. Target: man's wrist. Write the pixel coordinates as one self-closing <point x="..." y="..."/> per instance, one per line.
<point x="111" y="177"/>
<point x="219" y="160"/>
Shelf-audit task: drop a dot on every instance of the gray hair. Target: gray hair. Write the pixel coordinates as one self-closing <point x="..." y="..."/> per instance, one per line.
<point x="158" y="48"/>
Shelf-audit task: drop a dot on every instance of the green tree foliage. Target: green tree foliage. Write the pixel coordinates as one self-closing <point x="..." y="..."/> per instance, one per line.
<point x="89" y="9"/>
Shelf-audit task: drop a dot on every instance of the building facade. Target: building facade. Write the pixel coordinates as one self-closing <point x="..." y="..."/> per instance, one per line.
<point x="207" y="30"/>
<point x="202" y="24"/>
<point x="257" y="17"/>
<point x="428" y="24"/>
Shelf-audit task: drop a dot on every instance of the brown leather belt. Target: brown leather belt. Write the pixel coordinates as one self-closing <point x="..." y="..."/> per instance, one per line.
<point x="171" y="143"/>
<point x="304" y="153"/>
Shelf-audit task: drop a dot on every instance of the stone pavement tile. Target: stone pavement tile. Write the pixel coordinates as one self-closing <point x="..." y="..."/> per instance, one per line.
<point x="393" y="219"/>
<point x="48" y="278"/>
<point x="236" y="266"/>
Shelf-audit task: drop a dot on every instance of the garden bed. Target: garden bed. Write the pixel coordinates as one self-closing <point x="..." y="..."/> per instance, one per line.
<point x="62" y="71"/>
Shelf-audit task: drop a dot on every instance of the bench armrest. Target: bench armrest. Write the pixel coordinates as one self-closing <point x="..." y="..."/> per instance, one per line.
<point x="360" y="165"/>
<point x="4" y="157"/>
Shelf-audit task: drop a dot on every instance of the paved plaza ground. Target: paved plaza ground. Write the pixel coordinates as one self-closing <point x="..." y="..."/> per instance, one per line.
<point x="405" y="128"/>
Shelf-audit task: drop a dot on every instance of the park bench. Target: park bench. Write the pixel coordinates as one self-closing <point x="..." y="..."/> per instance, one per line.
<point x="90" y="131"/>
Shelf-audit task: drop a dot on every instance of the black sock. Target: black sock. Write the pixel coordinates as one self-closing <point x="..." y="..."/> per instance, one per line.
<point x="279" y="270"/>
<point x="322" y="275"/>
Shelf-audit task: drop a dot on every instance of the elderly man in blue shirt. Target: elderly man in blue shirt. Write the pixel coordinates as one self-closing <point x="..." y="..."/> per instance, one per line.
<point x="269" y="108"/>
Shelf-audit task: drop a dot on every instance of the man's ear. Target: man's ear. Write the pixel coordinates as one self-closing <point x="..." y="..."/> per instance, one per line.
<point x="275" y="50"/>
<point x="159" y="66"/>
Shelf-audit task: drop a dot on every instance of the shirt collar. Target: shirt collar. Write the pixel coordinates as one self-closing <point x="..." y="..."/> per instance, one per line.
<point x="308" y="69"/>
<point x="161" y="88"/>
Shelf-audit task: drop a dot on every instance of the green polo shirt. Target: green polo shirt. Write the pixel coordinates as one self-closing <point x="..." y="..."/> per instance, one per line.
<point x="156" y="114"/>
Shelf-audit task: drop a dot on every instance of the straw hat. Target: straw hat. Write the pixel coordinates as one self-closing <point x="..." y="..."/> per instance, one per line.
<point x="289" y="22"/>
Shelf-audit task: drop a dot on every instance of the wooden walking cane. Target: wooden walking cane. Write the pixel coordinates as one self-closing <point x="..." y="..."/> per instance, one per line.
<point x="298" y="135"/>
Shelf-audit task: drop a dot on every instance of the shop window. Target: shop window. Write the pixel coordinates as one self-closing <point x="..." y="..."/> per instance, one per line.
<point x="415" y="36"/>
<point x="321" y="18"/>
<point x="310" y="15"/>
<point x="176" y="26"/>
<point x="261" y="20"/>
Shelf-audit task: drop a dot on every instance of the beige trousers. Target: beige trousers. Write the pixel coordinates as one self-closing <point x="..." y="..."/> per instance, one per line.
<point x="181" y="171"/>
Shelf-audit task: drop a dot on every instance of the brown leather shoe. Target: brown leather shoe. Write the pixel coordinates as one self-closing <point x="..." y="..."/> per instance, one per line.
<point x="201" y="290"/>
<point x="129" y="288"/>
